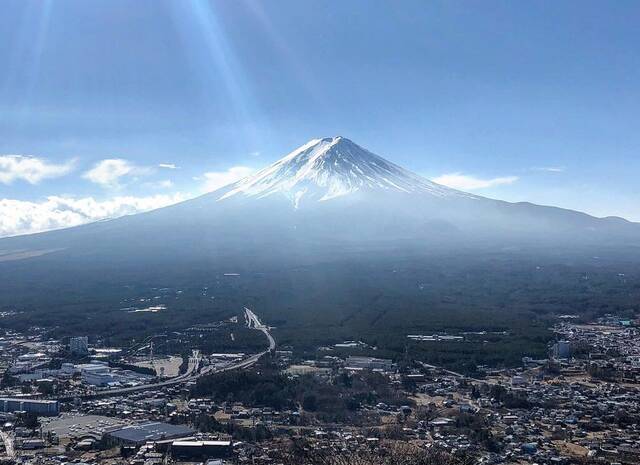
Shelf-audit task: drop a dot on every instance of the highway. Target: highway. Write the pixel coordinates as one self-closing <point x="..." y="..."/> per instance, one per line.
<point x="254" y="322"/>
<point x="194" y="370"/>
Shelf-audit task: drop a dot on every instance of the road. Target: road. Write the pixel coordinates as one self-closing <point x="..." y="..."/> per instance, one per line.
<point x="449" y="372"/>
<point x="193" y="371"/>
<point x="254" y="322"/>
<point x="8" y="444"/>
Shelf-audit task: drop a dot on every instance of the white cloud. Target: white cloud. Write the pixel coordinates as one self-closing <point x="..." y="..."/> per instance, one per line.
<point x="168" y="166"/>
<point x="216" y="179"/>
<point x="108" y="172"/>
<point x="22" y="217"/>
<point x="25" y="217"/>
<point x="469" y="183"/>
<point x="30" y="169"/>
<point x="550" y="169"/>
<point x="165" y="184"/>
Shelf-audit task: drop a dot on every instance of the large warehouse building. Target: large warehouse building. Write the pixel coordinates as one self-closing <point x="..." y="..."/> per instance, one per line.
<point x="147" y="432"/>
<point x="39" y="407"/>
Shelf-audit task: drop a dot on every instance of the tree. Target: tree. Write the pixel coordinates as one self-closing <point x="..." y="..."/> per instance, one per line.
<point x="207" y="424"/>
<point x="302" y="454"/>
<point x="310" y="402"/>
<point x="45" y="388"/>
<point x="8" y="380"/>
<point x="29" y="420"/>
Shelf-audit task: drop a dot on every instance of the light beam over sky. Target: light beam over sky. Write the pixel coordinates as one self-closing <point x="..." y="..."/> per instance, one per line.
<point x="490" y="96"/>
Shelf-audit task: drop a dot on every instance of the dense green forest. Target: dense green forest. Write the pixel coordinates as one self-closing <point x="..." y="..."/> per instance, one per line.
<point x="379" y="300"/>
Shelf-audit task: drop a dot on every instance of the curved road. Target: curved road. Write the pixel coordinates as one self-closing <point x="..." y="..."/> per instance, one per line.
<point x="193" y="372"/>
<point x="254" y="322"/>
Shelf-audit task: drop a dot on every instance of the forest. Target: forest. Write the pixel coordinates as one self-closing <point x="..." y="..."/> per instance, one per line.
<point x="377" y="300"/>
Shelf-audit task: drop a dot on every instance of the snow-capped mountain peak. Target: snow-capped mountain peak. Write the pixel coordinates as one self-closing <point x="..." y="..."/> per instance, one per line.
<point x="324" y="169"/>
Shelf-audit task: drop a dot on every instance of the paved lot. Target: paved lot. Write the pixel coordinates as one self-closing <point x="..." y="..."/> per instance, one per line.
<point x="75" y="426"/>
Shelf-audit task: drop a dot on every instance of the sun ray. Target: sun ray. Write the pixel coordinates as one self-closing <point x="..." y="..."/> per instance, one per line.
<point x="303" y="75"/>
<point x="29" y="48"/>
<point x="215" y="57"/>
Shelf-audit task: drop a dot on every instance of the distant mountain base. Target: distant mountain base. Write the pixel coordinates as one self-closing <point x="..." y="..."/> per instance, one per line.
<point x="377" y="300"/>
<point x="332" y="243"/>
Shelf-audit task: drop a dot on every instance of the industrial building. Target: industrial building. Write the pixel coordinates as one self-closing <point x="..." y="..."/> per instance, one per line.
<point x="96" y="374"/>
<point x="136" y="435"/>
<point x="201" y="449"/>
<point x="39" y="407"/>
<point x="369" y="363"/>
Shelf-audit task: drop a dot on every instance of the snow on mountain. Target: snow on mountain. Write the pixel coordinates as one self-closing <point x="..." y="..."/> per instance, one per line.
<point x="286" y="210"/>
<point x="324" y="169"/>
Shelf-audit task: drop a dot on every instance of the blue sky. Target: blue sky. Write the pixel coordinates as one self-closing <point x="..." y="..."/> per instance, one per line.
<point x="535" y="101"/>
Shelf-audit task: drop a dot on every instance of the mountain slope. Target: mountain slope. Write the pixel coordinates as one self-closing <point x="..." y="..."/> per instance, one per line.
<point x="324" y="169"/>
<point x="330" y="243"/>
<point x="328" y="196"/>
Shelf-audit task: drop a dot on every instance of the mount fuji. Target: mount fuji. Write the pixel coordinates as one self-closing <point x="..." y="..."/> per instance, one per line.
<point x="331" y="241"/>
<point x="328" y="197"/>
<point x="324" y="169"/>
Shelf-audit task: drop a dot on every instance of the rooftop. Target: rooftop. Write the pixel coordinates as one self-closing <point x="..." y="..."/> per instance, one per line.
<point x="153" y="431"/>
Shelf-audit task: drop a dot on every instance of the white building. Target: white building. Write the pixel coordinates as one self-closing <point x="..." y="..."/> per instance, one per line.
<point x="96" y="374"/>
<point x="369" y="363"/>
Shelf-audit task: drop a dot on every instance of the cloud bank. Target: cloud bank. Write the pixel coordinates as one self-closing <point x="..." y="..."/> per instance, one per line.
<point x="56" y="212"/>
<point x="22" y="217"/>
<point x="216" y="179"/>
<point x="30" y="169"/>
<point x="470" y="183"/>
<point x="107" y="173"/>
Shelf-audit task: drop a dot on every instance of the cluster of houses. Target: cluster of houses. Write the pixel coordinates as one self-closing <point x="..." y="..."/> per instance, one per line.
<point x="582" y="405"/>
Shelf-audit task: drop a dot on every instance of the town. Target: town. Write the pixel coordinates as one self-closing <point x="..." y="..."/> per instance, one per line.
<point x="69" y="401"/>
